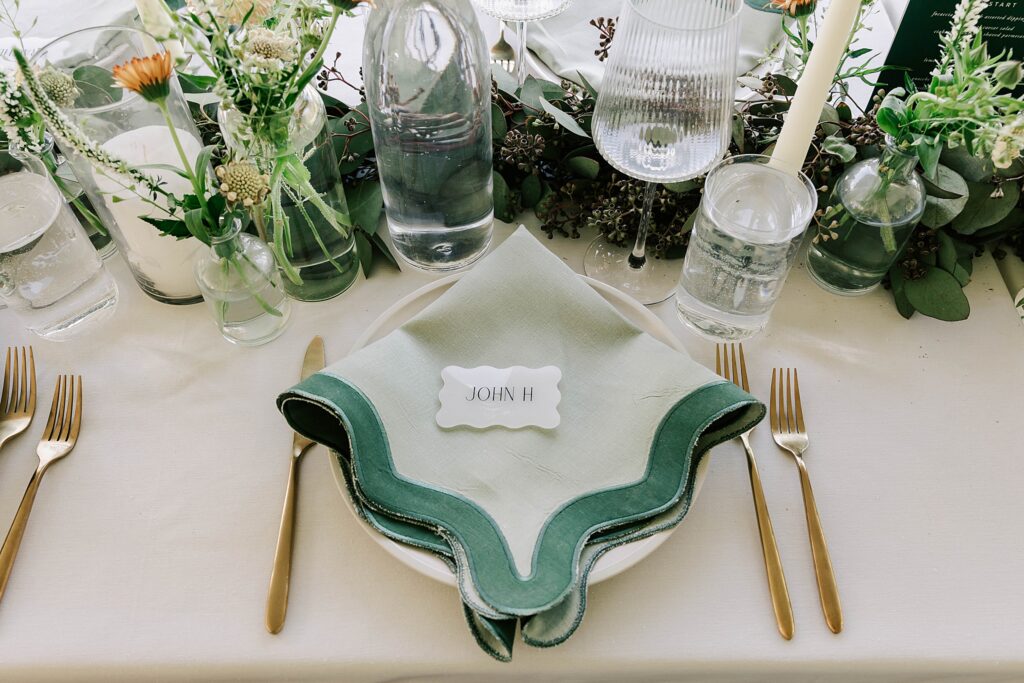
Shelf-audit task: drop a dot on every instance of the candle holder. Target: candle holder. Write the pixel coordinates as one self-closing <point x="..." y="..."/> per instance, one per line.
<point x="133" y="129"/>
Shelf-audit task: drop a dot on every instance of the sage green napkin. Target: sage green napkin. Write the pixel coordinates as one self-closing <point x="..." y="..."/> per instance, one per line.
<point x="566" y="42"/>
<point x="521" y="515"/>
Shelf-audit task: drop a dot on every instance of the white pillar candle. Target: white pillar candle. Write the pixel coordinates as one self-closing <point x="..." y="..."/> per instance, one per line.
<point x="815" y="86"/>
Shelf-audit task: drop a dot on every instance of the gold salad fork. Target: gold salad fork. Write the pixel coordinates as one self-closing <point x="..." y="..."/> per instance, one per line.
<point x="18" y="398"/>
<point x="503" y="54"/>
<point x="59" y="437"/>
<point x="726" y="366"/>
<point x="786" y="416"/>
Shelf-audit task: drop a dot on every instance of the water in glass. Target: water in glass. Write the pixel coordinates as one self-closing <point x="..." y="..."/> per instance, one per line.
<point x="746" y="236"/>
<point x="50" y="274"/>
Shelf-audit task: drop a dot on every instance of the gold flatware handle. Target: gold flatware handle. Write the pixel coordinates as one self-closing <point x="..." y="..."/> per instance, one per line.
<point x="277" y="596"/>
<point x="828" y="591"/>
<point x="772" y="561"/>
<point x="9" y="550"/>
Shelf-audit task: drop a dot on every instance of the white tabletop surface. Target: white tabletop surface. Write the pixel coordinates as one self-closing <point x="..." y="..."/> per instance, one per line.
<point x="150" y="547"/>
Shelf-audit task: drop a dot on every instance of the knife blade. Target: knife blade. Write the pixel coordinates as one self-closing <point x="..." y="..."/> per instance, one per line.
<point x="277" y="597"/>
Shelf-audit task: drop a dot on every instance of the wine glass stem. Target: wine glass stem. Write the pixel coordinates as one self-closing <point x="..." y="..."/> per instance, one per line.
<point x="520" y="52"/>
<point x="638" y="258"/>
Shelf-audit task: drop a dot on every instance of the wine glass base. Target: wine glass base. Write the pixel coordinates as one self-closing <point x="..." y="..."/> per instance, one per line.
<point x="652" y="283"/>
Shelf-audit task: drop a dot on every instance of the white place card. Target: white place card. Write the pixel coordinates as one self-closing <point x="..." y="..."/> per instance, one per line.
<point x="514" y="397"/>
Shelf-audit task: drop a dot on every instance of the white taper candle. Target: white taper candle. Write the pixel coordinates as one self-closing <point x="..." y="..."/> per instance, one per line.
<point x="814" y="87"/>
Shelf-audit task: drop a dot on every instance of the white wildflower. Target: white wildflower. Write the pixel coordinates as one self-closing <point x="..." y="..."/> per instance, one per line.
<point x="963" y="28"/>
<point x="234" y="11"/>
<point x="1009" y="145"/>
<point x="266" y="50"/>
<point x="16" y="115"/>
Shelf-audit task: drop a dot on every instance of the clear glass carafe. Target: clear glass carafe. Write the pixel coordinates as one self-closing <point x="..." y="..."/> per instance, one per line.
<point x="428" y="86"/>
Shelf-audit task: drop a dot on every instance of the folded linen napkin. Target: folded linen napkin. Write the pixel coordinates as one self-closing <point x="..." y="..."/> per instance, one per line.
<point x="521" y="515"/>
<point x="566" y="42"/>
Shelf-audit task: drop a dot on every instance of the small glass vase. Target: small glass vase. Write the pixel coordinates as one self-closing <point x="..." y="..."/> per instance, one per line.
<point x="305" y="219"/>
<point x="428" y="87"/>
<point x="125" y="124"/>
<point x="242" y="287"/>
<point x="873" y="210"/>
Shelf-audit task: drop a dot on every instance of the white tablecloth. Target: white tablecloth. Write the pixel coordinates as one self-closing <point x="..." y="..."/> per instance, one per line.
<point x="150" y="548"/>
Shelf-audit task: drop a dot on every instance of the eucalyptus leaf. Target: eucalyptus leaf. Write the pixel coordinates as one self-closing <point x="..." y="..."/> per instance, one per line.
<point x="584" y="167"/>
<point x="948" y="255"/>
<point x="365" y="205"/>
<point x="938" y="295"/>
<point x="381" y="247"/>
<point x="928" y="151"/>
<point x="365" y="251"/>
<point x="939" y="211"/>
<point x="787" y="86"/>
<point x="506" y="82"/>
<point x="899" y="293"/>
<point x="839" y="147"/>
<point x="682" y="186"/>
<point x="503" y="209"/>
<point x="563" y="119"/>
<point x="499" y="127"/>
<point x="97" y="87"/>
<point x="829" y="120"/>
<point x="591" y="90"/>
<point x="973" y="169"/>
<point x="983" y="210"/>
<point x="531" y="190"/>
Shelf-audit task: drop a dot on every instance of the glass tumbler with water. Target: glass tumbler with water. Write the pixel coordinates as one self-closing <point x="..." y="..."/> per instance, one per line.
<point x="50" y="275"/>
<point x="748" y="231"/>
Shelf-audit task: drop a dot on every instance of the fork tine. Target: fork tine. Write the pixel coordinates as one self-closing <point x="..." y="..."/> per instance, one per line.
<point x="743" y="369"/>
<point x="7" y="376"/>
<point x="779" y="398"/>
<point x="77" y="424"/>
<point x="799" y="409"/>
<point x="69" y="408"/>
<point x="718" y="359"/>
<point x="773" y="408"/>
<point x="789" y="403"/>
<point x="735" y="370"/>
<point x="48" y="429"/>
<point x="32" y="382"/>
<point x="22" y="405"/>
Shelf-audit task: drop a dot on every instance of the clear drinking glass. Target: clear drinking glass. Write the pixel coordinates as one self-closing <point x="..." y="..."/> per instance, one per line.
<point x="749" y="226"/>
<point x="125" y="124"/>
<point x="50" y="275"/>
<point x="520" y="12"/>
<point x="663" y="116"/>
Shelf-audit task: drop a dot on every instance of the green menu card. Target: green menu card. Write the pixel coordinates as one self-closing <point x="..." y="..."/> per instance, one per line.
<point x="917" y="45"/>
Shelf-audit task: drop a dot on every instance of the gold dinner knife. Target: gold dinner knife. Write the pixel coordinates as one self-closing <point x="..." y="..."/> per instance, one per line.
<point x="277" y="597"/>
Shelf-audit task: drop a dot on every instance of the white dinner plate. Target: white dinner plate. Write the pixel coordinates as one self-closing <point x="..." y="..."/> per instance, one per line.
<point x="614" y="561"/>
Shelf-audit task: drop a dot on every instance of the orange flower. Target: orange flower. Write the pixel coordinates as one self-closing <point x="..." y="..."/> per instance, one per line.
<point x="794" y="8"/>
<point x="148" y="76"/>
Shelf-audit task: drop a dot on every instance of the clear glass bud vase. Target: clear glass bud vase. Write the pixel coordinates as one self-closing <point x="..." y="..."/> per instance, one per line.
<point x="870" y="216"/>
<point x="428" y="86"/>
<point x="305" y="219"/>
<point x="242" y="287"/>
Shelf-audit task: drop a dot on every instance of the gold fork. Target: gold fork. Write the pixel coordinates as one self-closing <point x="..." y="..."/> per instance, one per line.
<point x="725" y="365"/>
<point x="791" y="435"/>
<point x="59" y="437"/>
<point x="18" y="399"/>
<point x="503" y="54"/>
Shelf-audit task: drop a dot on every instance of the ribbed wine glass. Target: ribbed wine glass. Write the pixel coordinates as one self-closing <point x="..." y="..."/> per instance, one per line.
<point x="663" y="116"/>
<point x="519" y="12"/>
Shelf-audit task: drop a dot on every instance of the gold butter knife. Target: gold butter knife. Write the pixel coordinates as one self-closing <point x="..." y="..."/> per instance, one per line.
<point x="277" y="597"/>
